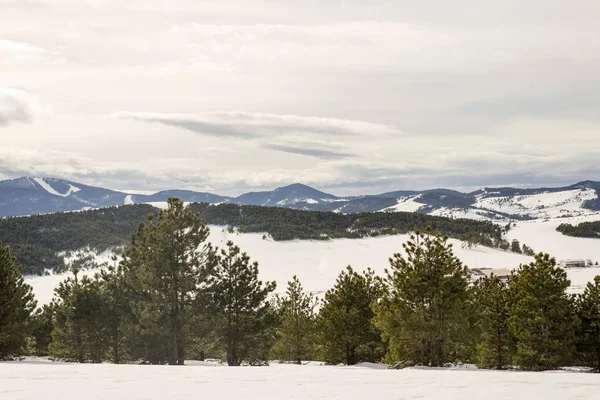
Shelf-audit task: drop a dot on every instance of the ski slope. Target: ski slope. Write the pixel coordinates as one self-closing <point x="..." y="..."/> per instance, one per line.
<point x="31" y="380"/>
<point x="48" y="188"/>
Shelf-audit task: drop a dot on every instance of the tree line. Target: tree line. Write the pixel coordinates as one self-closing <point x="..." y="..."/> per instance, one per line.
<point x="173" y="297"/>
<point x="584" y="229"/>
<point x="37" y="240"/>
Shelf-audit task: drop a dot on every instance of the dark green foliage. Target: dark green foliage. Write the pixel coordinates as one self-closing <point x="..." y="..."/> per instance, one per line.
<point x="41" y="326"/>
<point x="243" y="315"/>
<point x="288" y="224"/>
<point x="424" y="313"/>
<point x="79" y="321"/>
<point x="296" y="332"/>
<point x="38" y="238"/>
<point x="588" y="310"/>
<point x="494" y="342"/>
<point x="541" y="315"/>
<point x="346" y="332"/>
<point x="16" y="305"/>
<point x="515" y="246"/>
<point x="584" y="229"/>
<point x="163" y="269"/>
<point x="528" y="251"/>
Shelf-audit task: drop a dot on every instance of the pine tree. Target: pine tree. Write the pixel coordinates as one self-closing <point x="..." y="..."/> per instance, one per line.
<point x="41" y="327"/>
<point x="346" y="331"/>
<point x="242" y="312"/>
<point x="588" y="310"/>
<point x="494" y="344"/>
<point x="296" y="333"/>
<point x="117" y="309"/>
<point x="16" y="305"/>
<point x="541" y="315"/>
<point x="79" y="323"/>
<point x="515" y="246"/>
<point x="423" y="314"/>
<point x="163" y="270"/>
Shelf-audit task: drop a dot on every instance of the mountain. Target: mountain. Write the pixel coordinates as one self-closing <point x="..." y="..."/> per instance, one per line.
<point x="286" y="196"/>
<point x="25" y="196"/>
<point x="185" y="195"/>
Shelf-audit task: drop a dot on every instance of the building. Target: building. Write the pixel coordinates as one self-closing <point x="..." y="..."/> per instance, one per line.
<point x="478" y="273"/>
<point x="578" y="263"/>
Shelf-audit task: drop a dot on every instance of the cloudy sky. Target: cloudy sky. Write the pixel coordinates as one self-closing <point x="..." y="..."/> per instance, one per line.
<point x="348" y="96"/>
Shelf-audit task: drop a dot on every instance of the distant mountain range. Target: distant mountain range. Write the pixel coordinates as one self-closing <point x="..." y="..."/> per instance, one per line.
<point x="26" y="196"/>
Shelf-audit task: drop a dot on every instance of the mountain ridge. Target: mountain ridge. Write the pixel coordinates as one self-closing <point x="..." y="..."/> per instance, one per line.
<point x="34" y="195"/>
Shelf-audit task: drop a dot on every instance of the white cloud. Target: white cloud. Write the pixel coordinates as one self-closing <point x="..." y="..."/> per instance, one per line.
<point x="349" y="95"/>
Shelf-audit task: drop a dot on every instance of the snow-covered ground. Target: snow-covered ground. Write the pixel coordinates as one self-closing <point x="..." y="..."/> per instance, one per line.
<point x="542" y="205"/>
<point x="29" y="380"/>
<point x="43" y="286"/>
<point x="318" y="263"/>
<point x="406" y="204"/>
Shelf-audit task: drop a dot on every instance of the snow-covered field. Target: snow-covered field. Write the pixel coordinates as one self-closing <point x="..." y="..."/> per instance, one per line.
<point x="28" y="380"/>
<point x="318" y="263"/>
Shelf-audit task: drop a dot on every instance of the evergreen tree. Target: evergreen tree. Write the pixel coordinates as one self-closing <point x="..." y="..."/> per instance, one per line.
<point x="528" y="251"/>
<point x="494" y="344"/>
<point x="541" y="315"/>
<point x="163" y="270"/>
<point x="296" y="333"/>
<point x="117" y="309"/>
<point x="588" y="310"/>
<point x="424" y="313"/>
<point x="346" y="331"/>
<point x="515" y="246"/>
<point x="80" y="320"/>
<point x="41" y="326"/>
<point x="16" y="305"/>
<point x="244" y="317"/>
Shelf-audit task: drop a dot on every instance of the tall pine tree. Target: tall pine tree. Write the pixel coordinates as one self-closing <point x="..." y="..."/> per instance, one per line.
<point x="423" y="315"/>
<point x="346" y="332"/>
<point x="588" y="310"/>
<point x="491" y="304"/>
<point x="243" y="315"/>
<point x="296" y="333"/>
<point x="164" y="268"/>
<point x="16" y="305"/>
<point x="541" y="315"/>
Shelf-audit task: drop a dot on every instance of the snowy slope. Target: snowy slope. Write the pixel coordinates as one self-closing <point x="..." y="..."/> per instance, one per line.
<point x="32" y="380"/>
<point x="318" y="263"/>
<point x="407" y="204"/>
<point x="542" y="205"/>
<point x="47" y="187"/>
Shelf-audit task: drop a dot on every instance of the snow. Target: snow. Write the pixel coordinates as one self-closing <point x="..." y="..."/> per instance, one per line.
<point x="128" y="200"/>
<point x="32" y="379"/>
<point x="468" y="213"/>
<point x="318" y="263"/>
<point x="43" y="286"/>
<point x="51" y="190"/>
<point x="406" y="204"/>
<point x="543" y="205"/>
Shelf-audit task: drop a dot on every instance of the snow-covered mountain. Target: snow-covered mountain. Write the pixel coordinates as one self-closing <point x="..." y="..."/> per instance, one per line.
<point x="25" y="196"/>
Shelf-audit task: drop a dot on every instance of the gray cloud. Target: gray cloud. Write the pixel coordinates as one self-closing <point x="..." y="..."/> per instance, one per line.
<point x="239" y="124"/>
<point x="319" y="153"/>
<point x="16" y="106"/>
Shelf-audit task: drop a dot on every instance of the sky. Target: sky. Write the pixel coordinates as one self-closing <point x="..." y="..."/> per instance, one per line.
<point x="352" y="97"/>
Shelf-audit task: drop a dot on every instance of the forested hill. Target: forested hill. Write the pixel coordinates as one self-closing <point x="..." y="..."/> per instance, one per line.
<point x="36" y="240"/>
<point x="584" y="229"/>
